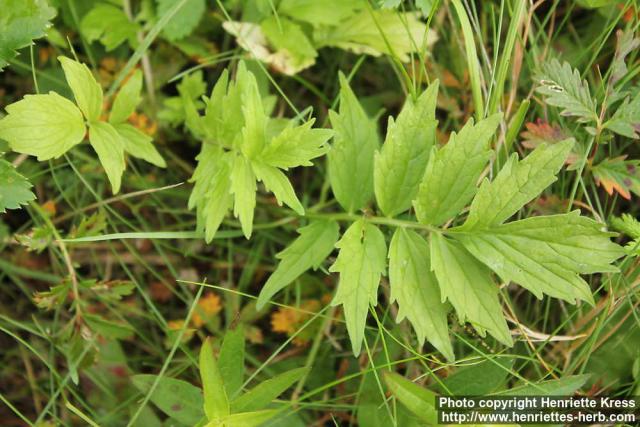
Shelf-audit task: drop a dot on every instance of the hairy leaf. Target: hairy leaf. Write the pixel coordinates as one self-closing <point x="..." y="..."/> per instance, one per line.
<point x="516" y="184"/>
<point x="45" y="126"/>
<point x="216" y="404"/>
<point x="15" y="189"/>
<point x="467" y="284"/>
<point x="361" y="261"/>
<point x="85" y="88"/>
<point x="400" y="165"/>
<point x="452" y="175"/>
<point x="309" y="250"/>
<point x="415" y="289"/>
<point x="107" y="143"/>
<point x="110" y="25"/>
<point x="351" y="157"/>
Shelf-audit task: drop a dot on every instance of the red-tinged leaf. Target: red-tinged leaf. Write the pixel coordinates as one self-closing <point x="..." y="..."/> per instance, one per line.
<point x="620" y="175"/>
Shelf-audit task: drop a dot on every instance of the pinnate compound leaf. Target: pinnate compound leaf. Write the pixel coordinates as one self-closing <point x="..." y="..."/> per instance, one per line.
<point x="231" y="360"/>
<point x="138" y="144"/>
<point x="563" y="87"/>
<point x="264" y="393"/>
<point x="361" y="261"/>
<point x="178" y="399"/>
<point x="110" y="25"/>
<point x="400" y="165"/>
<point x="278" y="183"/>
<point x="21" y="21"/>
<point x="468" y="285"/>
<point x="416" y="290"/>
<point x="419" y="400"/>
<point x="517" y="183"/>
<point x="546" y="254"/>
<point x="216" y="403"/>
<point x="309" y="250"/>
<point x="107" y="143"/>
<point x="243" y="188"/>
<point x="85" y="88"/>
<point x="45" y="126"/>
<point x="15" y="189"/>
<point x="452" y="175"/>
<point x="296" y="146"/>
<point x="351" y="157"/>
<point x="184" y="21"/>
<point x="127" y="99"/>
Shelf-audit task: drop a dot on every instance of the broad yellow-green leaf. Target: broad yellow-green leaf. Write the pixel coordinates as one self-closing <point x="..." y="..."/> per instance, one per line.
<point x="138" y="144"/>
<point x="400" y="165"/>
<point x="309" y="250"/>
<point x="467" y="284"/>
<point x="45" y="126"/>
<point x="231" y="360"/>
<point x="327" y="12"/>
<point x="15" y="189"/>
<point x="453" y="172"/>
<point x="107" y="143"/>
<point x="293" y="49"/>
<point x="278" y="183"/>
<point x="546" y="254"/>
<point x="264" y="393"/>
<point x="255" y="120"/>
<point x="243" y="188"/>
<point x="416" y="290"/>
<point x="110" y="25"/>
<point x="517" y="183"/>
<point x="361" y="261"/>
<point x="127" y="99"/>
<point x="296" y="146"/>
<point x="351" y="156"/>
<point x="419" y="400"/>
<point x="216" y="404"/>
<point x="85" y="88"/>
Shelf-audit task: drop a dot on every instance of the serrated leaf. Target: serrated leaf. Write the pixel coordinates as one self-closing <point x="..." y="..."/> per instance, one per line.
<point x="127" y="99"/>
<point x="628" y="225"/>
<point x="626" y="120"/>
<point x="296" y="146"/>
<point x="21" y="21"/>
<point x="178" y="399"/>
<point x="184" y="21"/>
<point x="110" y="25"/>
<point x="216" y="403"/>
<point x="107" y="143"/>
<point x="350" y="159"/>
<point x="361" y="261"/>
<point x="86" y="90"/>
<point x="45" y="126"/>
<point x="278" y="183"/>
<point x="546" y="254"/>
<point x="453" y="172"/>
<point x="327" y="12"/>
<point x="15" y="189"/>
<point x="243" y="187"/>
<point x="517" y="183"/>
<point x="138" y="144"/>
<point x="309" y="250"/>
<point x="400" y="165"/>
<point x="255" y="121"/>
<point x="416" y="290"/>
<point x="264" y="393"/>
<point x="419" y="400"/>
<point x="625" y="44"/>
<point x="231" y="360"/>
<point x="467" y="284"/>
<point x="618" y="174"/>
<point x="563" y="87"/>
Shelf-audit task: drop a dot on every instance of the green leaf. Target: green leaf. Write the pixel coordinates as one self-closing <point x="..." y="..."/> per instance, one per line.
<point x="15" y="189"/>
<point x="138" y="144"/>
<point x="45" y="126"/>
<point x="400" y="165"/>
<point x="310" y="249"/>
<point x="110" y="25"/>
<point x="184" y="21"/>
<point x="479" y="379"/>
<point x="351" y="156"/>
<point x="415" y="289"/>
<point x="467" y="284"/>
<point x="246" y="419"/>
<point x="255" y="121"/>
<point x="243" y="188"/>
<point x="517" y="183"/>
<point x="21" y="21"/>
<point x="231" y="360"/>
<point x="626" y="120"/>
<point x="85" y="88"/>
<point x="618" y="174"/>
<point x="216" y="404"/>
<point x="293" y="50"/>
<point x="327" y="12"/>
<point x="178" y="399"/>
<point x="107" y="143"/>
<point x="108" y="328"/>
<point x="566" y="386"/>
<point x="546" y="254"/>
<point x="627" y="224"/>
<point x="453" y="172"/>
<point x="127" y="99"/>
<point x="278" y="183"/>
<point x="264" y="393"/>
<point x="361" y="261"/>
<point x="419" y="400"/>
<point x="296" y="146"/>
<point x="563" y="87"/>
